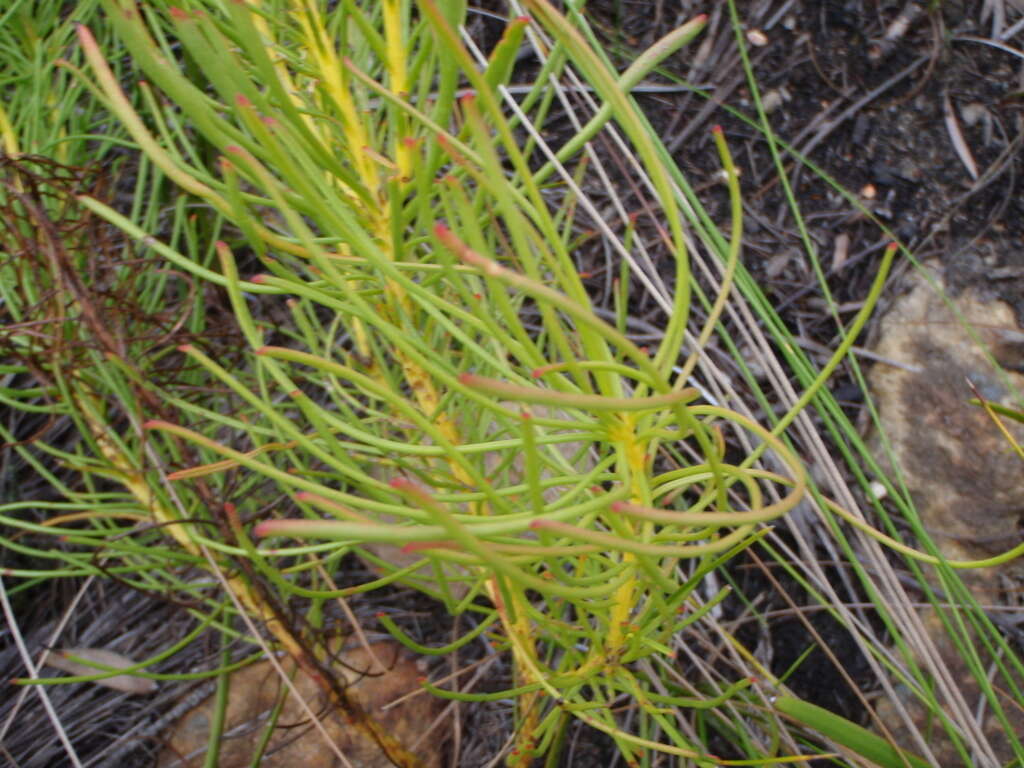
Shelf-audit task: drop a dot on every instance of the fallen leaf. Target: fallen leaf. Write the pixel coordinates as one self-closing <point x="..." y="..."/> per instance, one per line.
<point x="60" y="659"/>
<point x="254" y="691"/>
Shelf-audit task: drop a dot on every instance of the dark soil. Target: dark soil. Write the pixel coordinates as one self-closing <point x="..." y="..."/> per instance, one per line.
<point x="870" y="115"/>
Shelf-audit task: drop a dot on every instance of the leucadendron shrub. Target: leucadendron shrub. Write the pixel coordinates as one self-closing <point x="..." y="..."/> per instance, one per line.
<point x="438" y="392"/>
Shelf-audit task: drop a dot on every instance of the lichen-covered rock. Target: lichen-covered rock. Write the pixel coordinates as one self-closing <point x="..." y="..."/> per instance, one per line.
<point x="966" y="480"/>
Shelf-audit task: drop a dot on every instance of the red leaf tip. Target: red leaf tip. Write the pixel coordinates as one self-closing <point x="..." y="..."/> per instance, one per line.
<point x="716" y="129"/>
<point x="242" y="100"/>
<point x="177" y="12"/>
<point x="85" y="35"/>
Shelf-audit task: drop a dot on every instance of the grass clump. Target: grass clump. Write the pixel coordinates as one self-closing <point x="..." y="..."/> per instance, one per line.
<point x="408" y="404"/>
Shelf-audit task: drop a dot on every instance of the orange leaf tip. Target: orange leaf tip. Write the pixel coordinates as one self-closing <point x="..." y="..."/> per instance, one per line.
<point x="716" y="129"/>
<point x="242" y="101"/>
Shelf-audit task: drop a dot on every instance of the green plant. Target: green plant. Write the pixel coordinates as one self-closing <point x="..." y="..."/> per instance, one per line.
<point x="414" y="415"/>
<point x="410" y="375"/>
